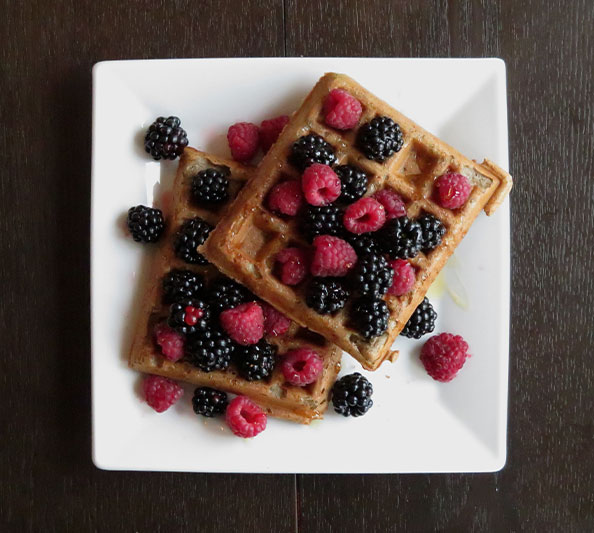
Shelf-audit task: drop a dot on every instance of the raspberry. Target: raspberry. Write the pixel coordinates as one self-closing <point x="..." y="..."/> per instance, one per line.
<point x="245" y="418"/>
<point x="404" y="277"/>
<point x="332" y="256"/>
<point x="292" y="265"/>
<point x="170" y="341"/>
<point x="321" y="185"/>
<point x="244" y="323"/>
<point x="453" y="190"/>
<point x="161" y="393"/>
<point x="243" y="139"/>
<point x="301" y="366"/>
<point x="275" y="323"/>
<point x="341" y="110"/>
<point x="364" y="215"/>
<point x="286" y="198"/>
<point x="393" y="203"/>
<point x="444" y="355"/>
<point x="270" y="130"/>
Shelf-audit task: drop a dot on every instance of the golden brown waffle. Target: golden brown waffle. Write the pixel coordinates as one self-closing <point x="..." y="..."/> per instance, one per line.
<point x="280" y="399"/>
<point x="245" y="242"/>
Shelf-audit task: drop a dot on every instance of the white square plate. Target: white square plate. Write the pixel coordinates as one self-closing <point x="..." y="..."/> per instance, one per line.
<point x="416" y="424"/>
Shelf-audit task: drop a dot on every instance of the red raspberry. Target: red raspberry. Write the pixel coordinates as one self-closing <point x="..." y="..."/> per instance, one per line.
<point x="301" y="366"/>
<point x="245" y="418"/>
<point x="444" y="355"/>
<point x="332" y="256"/>
<point x="342" y="110"/>
<point x="275" y="323"/>
<point x="404" y="277"/>
<point x="170" y="341"/>
<point x="286" y="198"/>
<point x="393" y="203"/>
<point x="243" y="139"/>
<point x="453" y="190"/>
<point x="364" y="215"/>
<point x="270" y="130"/>
<point x="320" y="184"/>
<point x="292" y="265"/>
<point x="161" y="393"/>
<point x="244" y="323"/>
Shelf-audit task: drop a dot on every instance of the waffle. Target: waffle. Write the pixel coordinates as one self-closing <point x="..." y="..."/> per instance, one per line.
<point x="245" y="242"/>
<point x="300" y="404"/>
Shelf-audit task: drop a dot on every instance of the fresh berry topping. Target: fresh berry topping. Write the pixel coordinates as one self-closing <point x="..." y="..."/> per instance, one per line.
<point x="453" y="190"/>
<point x="400" y="238"/>
<point x="256" y="362"/>
<point x="311" y="149"/>
<point x="363" y="243"/>
<point x="209" y="402"/>
<point x="286" y="198"/>
<point x="270" y="130"/>
<point x="380" y="138"/>
<point x="320" y="184"/>
<point x="291" y="264"/>
<point x="145" y="223"/>
<point x="181" y="285"/>
<point x="165" y="138"/>
<point x="372" y="276"/>
<point x="432" y="230"/>
<point x="326" y="295"/>
<point x="351" y="395"/>
<point x="192" y="315"/>
<point x="392" y="202"/>
<point x="224" y="293"/>
<point x="244" y="323"/>
<point x="444" y="355"/>
<point x="370" y="316"/>
<point x="161" y="393"/>
<point x="322" y="220"/>
<point x="421" y="322"/>
<point x="192" y="234"/>
<point x="245" y="418"/>
<point x="341" y="110"/>
<point x="301" y="366"/>
<point x="364" y="215"/>
<point x="170" y="341"/>
<point x="210" y="186"/>
<point x="404" y="277"/>
<point x="332" y="257"/>
<point x="210" y="350"/>
<point x="275" y="323"/>
<point x="353" y="183"/>
<point x="188" y="316"/>
<point x="243" y="139"/>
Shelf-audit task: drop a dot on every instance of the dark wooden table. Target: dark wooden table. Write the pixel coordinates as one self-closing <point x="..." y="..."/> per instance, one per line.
<point x="47" y="480"/>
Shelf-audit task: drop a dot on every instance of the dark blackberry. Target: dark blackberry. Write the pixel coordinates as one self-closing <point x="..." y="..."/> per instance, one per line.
<point x="432" y="230"/>
<point x="421" y="322"/>
<point x="209" y="402"/>
<point x="353" y="183"/>
<point x="363" y="243"/>
<point x="321" y="220"/>
<point x="326" y="295"/>
<point x="145" y="223"/>
<point x="370" y="316"/>
<point x="400" y="238"/>
<point x="181" y="285"/>
<point x="192" y="234"/>
<point x="188" y="316"/>
<point x="351" y="395"/>
<point x="380" y="138"/>
<point x="224" y="293"/>
<point x="210" y="186"/>
<point x="210" y="350"/>
<point x="165" y="138"/>
<point x="311" y="149"/>
<point x="256" y="361"/>
<point x="371" y="276"/>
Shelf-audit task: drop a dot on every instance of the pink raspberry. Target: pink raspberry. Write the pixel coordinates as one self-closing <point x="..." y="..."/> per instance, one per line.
<point x="275" y="323"/>
<point x="161" y="393"/>
<point x="320" y="184"/>
<point x="342" y="110"/>
<point x="404" y="277"/>
<point x="292" y="265"/>
<point x="301" y="366"/>
<point x="332" y="256"/>
<point x="286" y="198"/>
<point x="392" y="202"/>
<point x="244" y="323"/>
<point x="270" y="130"/>
<point x="243" y="139"/>
<point x="444" y="355"/>
<point x="453" y="190"/>
<point x="245" y="418"/>
<point x="363" y="216"/>
<point x="170" y="341"/>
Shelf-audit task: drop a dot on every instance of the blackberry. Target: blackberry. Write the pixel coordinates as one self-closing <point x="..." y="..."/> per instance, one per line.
<point x="421" y="322"/>
<point x="210" y="350"/>
<point x="363" y="243"/>
<point x="400" y="238"/>
<point x="145" y="223"/>
<point x="256" y="361"/>
<point x="371" y="276"/>
<point x="188" y="316"/>
<point x="370" y="316"/>
<point x="321" y="220"/>
<point x="192" y="234"/>
<point x="224" y="293"/>
<point x="380" y="138"/>
<point x="351" y="395"/>
<point x="165" y="138"/>
<point x="353" y="183"/>
<point x="209" y="402"/>
<point x="311" y="149"/>
<point x="181" y="285"/>
<point x="210" y="186"/>
<point x="326" y="295"/>
<point x="432" y="230"/>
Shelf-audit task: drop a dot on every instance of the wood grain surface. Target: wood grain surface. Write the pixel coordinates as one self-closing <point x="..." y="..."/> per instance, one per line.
<point x="47" y="480"/>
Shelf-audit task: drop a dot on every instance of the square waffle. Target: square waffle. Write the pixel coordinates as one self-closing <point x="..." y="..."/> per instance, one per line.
<point x="249" y="236"/>
<point x="278" y="398"/>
